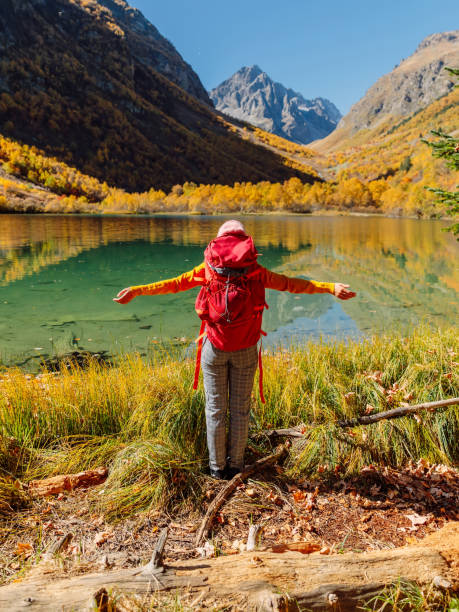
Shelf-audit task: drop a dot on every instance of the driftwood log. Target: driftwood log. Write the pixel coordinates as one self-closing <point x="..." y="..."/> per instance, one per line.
<point x="259" y="581"/>
<point x="229" y="488"/>
<point x="68" y="482"/>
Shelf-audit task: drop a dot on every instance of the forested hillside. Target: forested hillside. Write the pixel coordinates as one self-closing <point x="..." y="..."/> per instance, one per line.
<point x="128" y="139"/>
<point x="383" y="170"/>
<point x="390" y="164"/>
<point x="80" y="81"/>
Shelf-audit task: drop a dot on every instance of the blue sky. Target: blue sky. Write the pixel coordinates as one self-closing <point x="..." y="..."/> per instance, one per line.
<point x="329" y="48"/>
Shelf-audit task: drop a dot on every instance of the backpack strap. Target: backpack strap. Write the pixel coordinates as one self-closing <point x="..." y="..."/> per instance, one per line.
<point x="199" y="340"/>
<point x="260" y="367"/>
<point x="230" y="272"/>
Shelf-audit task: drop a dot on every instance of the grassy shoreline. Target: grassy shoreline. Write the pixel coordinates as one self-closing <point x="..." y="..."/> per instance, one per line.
<point x="142" y="420"/>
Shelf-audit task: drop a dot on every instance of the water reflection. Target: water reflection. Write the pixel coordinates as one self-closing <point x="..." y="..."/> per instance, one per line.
<point x="58" y="274"/>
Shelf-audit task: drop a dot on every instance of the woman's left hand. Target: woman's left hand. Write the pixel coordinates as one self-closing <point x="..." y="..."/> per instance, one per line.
<point x="124" y="296"/>
<point x="343" y="292"/>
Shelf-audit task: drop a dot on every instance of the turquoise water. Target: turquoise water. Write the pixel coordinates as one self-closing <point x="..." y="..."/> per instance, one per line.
<point x="58" y="275"/>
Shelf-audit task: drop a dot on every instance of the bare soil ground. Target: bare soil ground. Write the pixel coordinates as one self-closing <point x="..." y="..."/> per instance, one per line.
<point x="381" y="509"/>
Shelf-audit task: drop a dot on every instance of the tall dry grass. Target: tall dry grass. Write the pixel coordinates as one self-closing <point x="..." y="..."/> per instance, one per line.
<point x="142" y="419"/>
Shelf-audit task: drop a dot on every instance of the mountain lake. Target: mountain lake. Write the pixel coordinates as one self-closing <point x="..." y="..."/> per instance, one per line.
<point x="58" y="275"/>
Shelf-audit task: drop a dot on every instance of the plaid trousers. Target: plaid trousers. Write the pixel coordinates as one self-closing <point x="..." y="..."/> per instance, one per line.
<point x="228" y="381"/>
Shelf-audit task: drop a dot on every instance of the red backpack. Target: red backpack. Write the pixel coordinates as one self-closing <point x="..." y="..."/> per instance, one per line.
<point x="232" y="300"/>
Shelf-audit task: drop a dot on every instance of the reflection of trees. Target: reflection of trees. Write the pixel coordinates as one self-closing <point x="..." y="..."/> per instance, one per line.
<point x="393" y="263"/>
<point x="20" y="262"/>
<point x="28" y="244"/>
<point x="397" y="281"/>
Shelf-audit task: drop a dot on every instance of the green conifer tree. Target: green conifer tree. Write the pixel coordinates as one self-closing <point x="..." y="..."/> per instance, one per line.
<point x="447" y="147"/>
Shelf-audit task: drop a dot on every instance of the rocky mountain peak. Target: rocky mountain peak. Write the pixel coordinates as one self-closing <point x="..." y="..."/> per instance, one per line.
<point x="251" y="95"/>
<point x="438" y="38"/>
<point x="250" y="73"/>
<point x="414" y="84"/>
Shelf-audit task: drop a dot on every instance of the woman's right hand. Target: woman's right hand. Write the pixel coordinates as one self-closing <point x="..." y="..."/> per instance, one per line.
<point x="343" y="292"/>
<point x="124" y="296"/>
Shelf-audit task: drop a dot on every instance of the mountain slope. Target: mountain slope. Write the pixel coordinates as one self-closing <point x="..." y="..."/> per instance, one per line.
<point x="150" y="48"/>
<point x="80" y="79"/>
<point x="414" y="84"/>
<point x="250" y="95"/>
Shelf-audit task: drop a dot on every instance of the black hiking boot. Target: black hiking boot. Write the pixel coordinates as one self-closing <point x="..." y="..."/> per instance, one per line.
<point x="232" y="471"/>
<point x="218" y="474"/>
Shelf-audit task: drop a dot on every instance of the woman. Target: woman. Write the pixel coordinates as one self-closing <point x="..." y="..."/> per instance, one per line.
<point x="230" y="304"/>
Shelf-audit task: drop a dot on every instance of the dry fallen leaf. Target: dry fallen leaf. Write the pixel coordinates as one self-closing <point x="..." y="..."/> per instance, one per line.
<point x="275" y="498"/>
<point x="23" y="548"/>
<point x="298" y="496"/>
<point x="48" y="526"/>
<point x="417" y="519"/>
<point x="376" y="376"/>
<point x="101" y="537"/>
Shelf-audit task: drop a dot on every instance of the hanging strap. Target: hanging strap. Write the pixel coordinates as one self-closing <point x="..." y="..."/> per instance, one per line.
<point x="260" y="368"/>
<point x="199" y="340"/>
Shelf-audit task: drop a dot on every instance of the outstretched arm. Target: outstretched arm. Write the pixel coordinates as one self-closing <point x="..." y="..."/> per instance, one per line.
<point x="185" y="281"/>
<point x="272" y="280"/>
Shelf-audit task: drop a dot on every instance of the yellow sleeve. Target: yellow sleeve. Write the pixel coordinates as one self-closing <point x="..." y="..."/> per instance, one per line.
<point x="294" y="285"/>
<point x="187" y="280"/>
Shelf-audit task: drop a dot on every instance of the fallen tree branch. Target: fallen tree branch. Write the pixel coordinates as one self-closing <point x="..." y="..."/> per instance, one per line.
<point x="299" y="430"/>
<point x="228" y="489"/>
<point x="289" y="432"/>
<point x="397" y="412"/>
<point x="156" y="565"/>
<point x="58" y="546"/>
